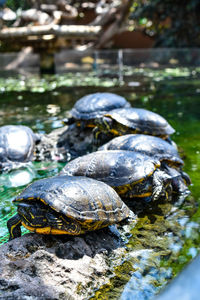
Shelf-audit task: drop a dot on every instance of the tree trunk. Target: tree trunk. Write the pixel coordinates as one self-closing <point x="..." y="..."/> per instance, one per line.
<point x="120" y="19"/>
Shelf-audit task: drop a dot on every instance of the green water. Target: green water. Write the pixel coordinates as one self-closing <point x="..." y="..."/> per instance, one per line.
<point x="166" y="237"/>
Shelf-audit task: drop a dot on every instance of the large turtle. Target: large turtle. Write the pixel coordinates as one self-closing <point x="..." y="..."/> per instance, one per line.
<point x="66" y="205"/>
<point x="123" y="121"/>
<point x="93" y="106"/>
<point x="17" y="143"/>
<point x="131" y="174"/>
<point x="155" y="147"/>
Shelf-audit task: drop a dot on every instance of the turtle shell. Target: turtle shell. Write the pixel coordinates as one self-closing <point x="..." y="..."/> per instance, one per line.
<point x="17" y="143"/>
<point x="117" y="168"/>
<point x="146" y="144"/>
<point x="80" y="198"/>
<point x="141" y="121"/>
<point x="95" y="105"/>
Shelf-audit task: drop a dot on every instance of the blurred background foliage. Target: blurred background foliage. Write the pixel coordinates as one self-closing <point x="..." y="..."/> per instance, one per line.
<point x="17" y="4"/>
<point x="172" y="23"/>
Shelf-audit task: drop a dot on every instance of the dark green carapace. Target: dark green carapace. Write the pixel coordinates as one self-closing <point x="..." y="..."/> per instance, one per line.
<point x="133" y="120"/>
<point x="66" y="205"/>
<point x="93" y="106"/>
<point x="131" y="174"/>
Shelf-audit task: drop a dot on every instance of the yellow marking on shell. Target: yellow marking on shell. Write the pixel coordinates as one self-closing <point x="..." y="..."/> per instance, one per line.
<point x="90" y="125"/>
<point x="42" y="200"/>
<point x="19" y="199"/>
<point x="13" y="227"/>
<point x="142" y="195"/>
<point x="47" y="230"/>
<point x="31" y="198"/>
<point x="59" y="231"/>
<point x="28" y="227"/>
<point x="121" y="190"/>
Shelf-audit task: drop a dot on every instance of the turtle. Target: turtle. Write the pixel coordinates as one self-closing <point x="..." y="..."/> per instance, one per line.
<point x="93" y="106"/>
<point x="123" y="121"/>
<point x="146" y="144"/>
<point x="131" y="174"/>
<point x="17" y="143"/>
<point x="66" y="205"/>
<point x="154" y="146"/>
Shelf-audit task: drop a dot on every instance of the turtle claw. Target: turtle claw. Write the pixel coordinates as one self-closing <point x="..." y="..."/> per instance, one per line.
<point x="160" y="182"/>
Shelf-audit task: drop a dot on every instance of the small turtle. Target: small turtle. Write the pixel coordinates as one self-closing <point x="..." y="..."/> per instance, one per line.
<point x="93" y="106"/>
<point x="153" y="146"/>
<point x="131" y="174"/>
<point x="66" y="205"/>
<point x="17" y="143"/>
<point x="133" y="120"/>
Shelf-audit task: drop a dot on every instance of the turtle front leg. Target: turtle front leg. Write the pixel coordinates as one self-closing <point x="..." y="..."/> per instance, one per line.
<point x="96" y="133"/>
<point x="180" y="180"/>
<point x="160" y="181"/>
<point x="14" y="226"/>
<point x="185" y="177"/>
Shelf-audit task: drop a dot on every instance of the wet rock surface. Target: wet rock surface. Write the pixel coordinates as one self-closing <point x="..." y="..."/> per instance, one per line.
<point x="64" y="144"/>
<point x="49" y="267"/>
<point x="130" y="260"/>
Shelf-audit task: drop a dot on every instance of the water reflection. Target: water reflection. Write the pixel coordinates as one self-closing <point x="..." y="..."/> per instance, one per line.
<point x="20" y="177"/>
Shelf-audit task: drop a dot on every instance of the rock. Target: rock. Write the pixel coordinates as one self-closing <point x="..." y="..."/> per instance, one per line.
<point x="64" y="143"/>
<point x="50" y="267"/>
<point x="123" y="261"/>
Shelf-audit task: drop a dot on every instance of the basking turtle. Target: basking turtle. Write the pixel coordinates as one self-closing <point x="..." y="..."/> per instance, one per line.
<point x="17" y="144"/>
<point x="93" y="106"/>
<point x="131" y="174"/>
<point x="146" y="144"/>
<point x="155" y="147"/>
<point x="123" y="121"/>
<point x="66" y="205"/>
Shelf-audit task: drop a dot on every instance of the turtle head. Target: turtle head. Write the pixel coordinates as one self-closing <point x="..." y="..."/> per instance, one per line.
<point x="38" y="217"/>
<point x="104" y="123"/>
<point x="32" y="214"/>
